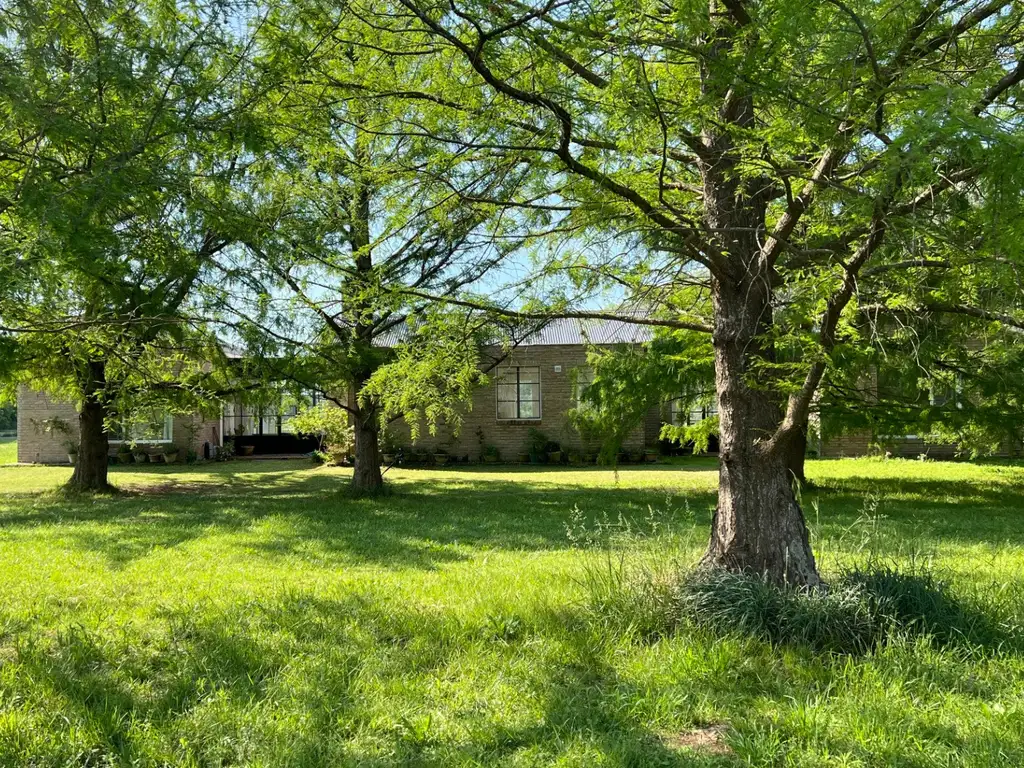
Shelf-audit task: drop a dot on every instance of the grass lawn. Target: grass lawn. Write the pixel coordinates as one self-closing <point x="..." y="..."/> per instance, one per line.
<point x="251" y="614"/>
<point x="8" y="450"/>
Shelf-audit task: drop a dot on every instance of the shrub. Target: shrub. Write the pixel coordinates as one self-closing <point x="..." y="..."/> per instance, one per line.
<point x="862" y="609"/>
<point x="837" y="620"/>
<point x="330" y="424"/>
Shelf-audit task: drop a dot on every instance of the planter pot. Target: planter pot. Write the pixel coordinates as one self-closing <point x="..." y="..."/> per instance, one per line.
<point x="524" y="458"/>
<point x="170" y="458"/>
<point x="140" y="458"/>
<point x="489" y="459"/>
<point x="555" y="457"/>
<point x="651" y="457"/>
<point x="441" y="458"/>
<point x="388" y="458"/>
<point x="575" y="459"/>
<point x="124" y="458"/>
<point x="246" y="450"/>
<point x="72" y="458"/>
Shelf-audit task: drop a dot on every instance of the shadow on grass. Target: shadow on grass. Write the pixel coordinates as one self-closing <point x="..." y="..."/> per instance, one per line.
<point x="862" y="610"/>
<point x="433" y="519"/>
<point x="420" y="524"/>
<point x="219" y="687"/>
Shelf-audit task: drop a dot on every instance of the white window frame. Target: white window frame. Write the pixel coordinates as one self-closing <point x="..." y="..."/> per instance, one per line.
<point x="498" y="383"/>
<point x="168" y="431"/>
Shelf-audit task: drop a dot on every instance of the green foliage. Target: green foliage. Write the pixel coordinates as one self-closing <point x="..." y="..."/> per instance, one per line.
<point x="115" y="145"/>
<point x="8" y="418"/>
<point x="431" y="376"/>
<point x="331" y="424"/>
<point x="625" y="382"/>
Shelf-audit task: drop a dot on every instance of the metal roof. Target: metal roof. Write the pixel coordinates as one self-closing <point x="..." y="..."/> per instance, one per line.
<point x="560" y="332"/>
<point x="571" y="331"/>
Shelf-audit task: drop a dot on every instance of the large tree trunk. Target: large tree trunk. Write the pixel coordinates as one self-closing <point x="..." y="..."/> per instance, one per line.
<point x="93" y="444"/>
<point x="795" y="457"/>
<point x="758" y="527"/>
<point x="366" y="476"/>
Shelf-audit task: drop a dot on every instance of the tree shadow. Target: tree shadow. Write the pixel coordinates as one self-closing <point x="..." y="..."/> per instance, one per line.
<point x="421" y="524"/>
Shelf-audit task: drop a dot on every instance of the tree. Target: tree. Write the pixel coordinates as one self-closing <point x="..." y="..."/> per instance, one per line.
<point x="347" y="212"/>
<point x="785" y="157"/>
<point x="115" y="113"/>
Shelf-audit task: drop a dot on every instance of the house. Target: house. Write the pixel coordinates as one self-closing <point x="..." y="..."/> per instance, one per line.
<point x="530" y="390"/>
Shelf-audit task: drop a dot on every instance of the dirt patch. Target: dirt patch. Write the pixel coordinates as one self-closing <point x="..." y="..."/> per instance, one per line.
<point x="710" y="740"/>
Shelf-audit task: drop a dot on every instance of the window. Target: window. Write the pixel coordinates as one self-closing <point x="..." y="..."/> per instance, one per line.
<point x="584" y="377"/>
<point x="519" y="393"/>
<point x="148" y="427"/>
<point x="688" y="413"/>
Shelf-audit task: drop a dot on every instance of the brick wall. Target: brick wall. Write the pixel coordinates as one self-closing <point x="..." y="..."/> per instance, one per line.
<point x="860" y="443"/>
<point x="35" y="446"/>
<point x="510" y="437"/>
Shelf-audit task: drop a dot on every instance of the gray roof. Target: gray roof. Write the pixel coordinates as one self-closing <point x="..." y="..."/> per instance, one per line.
<point x="560" y="332"/>
<point x="572" y="331"/>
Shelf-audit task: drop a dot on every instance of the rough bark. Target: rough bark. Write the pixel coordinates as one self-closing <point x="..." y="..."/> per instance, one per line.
<point x="796" y="455"/>
<point x="366" y="475"/>
<point x="758" y="526"/>
<point x="93" y="443"/>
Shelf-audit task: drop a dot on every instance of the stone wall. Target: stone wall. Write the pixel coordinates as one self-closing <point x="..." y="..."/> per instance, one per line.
<point x="37" y="446"/>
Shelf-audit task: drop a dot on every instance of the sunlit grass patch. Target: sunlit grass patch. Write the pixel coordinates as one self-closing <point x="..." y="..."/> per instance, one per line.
<point x="255" y="614"/>
<point x="8" y="450"/>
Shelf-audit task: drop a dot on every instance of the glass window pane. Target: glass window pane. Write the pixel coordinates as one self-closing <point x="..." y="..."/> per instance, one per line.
<point x="531" y="375"/>
<point x="529" y="392"/>
<point x="506" y="410"/>
<point x="507" y="393"/>
<point x="529" y="410"/>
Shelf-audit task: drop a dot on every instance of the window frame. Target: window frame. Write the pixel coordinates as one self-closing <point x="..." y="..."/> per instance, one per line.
<point x="502" y="381"/>
<point x="679" y="405"/>
<point x="127" y="438"/>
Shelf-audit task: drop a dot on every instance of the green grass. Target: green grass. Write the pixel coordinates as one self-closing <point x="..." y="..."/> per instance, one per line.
<point x="255" y="614"/>
<point x="8" y="450"/>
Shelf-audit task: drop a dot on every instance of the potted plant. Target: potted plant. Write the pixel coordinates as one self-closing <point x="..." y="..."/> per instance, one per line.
<point x="554" y="453"/>
<point x="491" y="454"/>
<point x="140" y="456"/>
<point x="72" y="450"/>
<point x="536" y="445"/>
<point x="651" y="455"/>
<point x="124" y="453"/>
<point x="441" y="457"/>
<point x="171" y="452"/>
<point x="575" y="458"/>
<point x="246" y="450"/>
